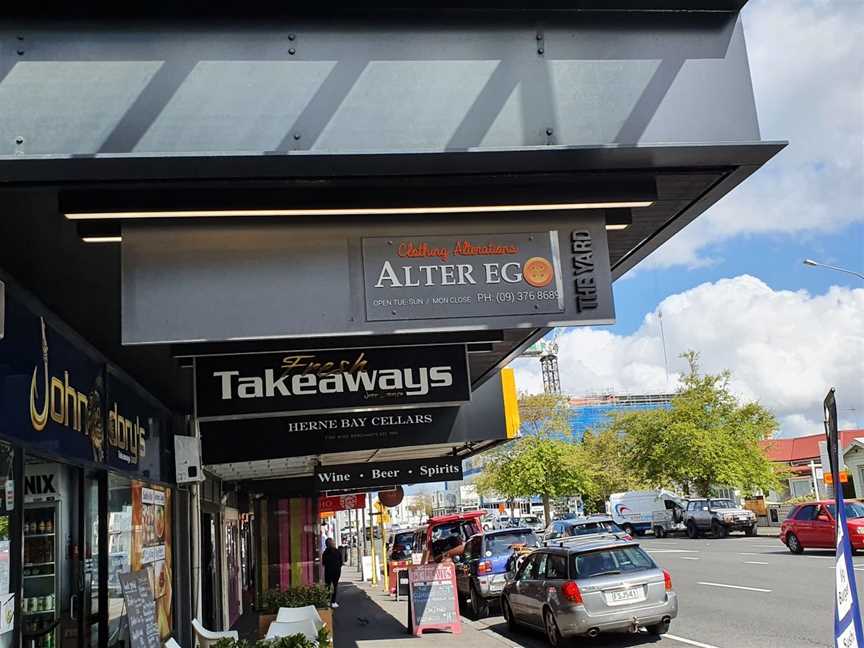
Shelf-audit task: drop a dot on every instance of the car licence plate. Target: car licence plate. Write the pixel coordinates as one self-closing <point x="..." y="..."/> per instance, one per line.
<point x="620" y="597"/>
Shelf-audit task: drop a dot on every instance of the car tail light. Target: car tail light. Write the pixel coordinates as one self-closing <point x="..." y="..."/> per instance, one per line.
<point x="571" y="592"/>
<point x="667" y="579"/>
<point x="484" y="567"/>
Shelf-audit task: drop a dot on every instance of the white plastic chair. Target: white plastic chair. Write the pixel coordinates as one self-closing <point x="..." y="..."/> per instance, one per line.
<point x="305" y="627"/>
<point x="291" y="614"/>
<point x="171" y="643"/>
<point x="206" y="638"/>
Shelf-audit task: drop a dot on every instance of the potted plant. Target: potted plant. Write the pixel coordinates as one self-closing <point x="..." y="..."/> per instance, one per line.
<point x="269" y="602"/>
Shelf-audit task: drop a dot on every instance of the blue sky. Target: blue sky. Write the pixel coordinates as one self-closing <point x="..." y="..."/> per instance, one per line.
<point x="731" y="285"/>
<point x="773" y="258"/>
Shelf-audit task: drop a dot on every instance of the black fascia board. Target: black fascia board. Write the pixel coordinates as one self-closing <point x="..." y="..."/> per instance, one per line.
<point x="208" y="11"/>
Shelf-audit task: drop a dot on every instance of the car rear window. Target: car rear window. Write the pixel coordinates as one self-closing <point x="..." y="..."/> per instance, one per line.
<point x="403" y="546"/>
<point x="588" y="528"/>
<point x="618" y="560"/>
<point x="501" y="543"/>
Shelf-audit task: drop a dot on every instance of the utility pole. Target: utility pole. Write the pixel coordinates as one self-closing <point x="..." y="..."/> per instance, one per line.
<point x="815" y="480"/>
<point x="372" y="542"/>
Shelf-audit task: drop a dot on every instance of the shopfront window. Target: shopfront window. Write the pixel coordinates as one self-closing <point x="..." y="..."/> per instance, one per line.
<point x="119" y="553"/>
<point x="6" y="598"/>
<point x="151" y="546"/>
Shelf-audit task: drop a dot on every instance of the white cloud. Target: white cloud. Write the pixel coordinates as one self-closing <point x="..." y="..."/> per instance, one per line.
<point x="785" y="349"/>
<point x="807" y="65"/>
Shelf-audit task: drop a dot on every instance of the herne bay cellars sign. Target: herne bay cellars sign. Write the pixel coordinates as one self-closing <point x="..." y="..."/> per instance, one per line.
<point x="292" y="383"/>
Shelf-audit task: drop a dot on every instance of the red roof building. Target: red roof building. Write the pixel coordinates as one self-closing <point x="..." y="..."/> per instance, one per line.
<point x="797" y="453"/>
<point x="805" y="448"/>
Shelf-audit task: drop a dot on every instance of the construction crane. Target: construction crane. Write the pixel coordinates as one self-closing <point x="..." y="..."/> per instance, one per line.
<point x="547" y="352"/>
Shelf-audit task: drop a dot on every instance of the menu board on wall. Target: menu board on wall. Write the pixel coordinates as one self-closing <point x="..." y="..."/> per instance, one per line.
<point x="433" y="604"/>
<point x="151" y="547"/>
<point x="141" y="611"/>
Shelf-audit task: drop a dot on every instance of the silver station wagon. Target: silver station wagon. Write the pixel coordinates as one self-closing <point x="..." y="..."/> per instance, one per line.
<point x="585" y="586"/>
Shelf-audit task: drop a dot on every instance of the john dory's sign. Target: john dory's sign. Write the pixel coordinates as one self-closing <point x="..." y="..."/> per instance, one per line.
<point x="427" y="277"/>
<point x="256" y="385"/>
<point x="375" y="475"/>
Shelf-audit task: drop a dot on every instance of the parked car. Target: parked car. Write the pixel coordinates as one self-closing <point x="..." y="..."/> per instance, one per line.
<point x="719" y="516"/>
<point x="634" y="511"/>
<point x="811" y="526"/>
<point x="530" y="521"/>
<point x="400" y="554"/>
<point x="585" y="587"/>
<point x="401" y="545"/>
<point x="582" y="527"/>
<point x="444" y="536"/>
<point x="481" y="570"/>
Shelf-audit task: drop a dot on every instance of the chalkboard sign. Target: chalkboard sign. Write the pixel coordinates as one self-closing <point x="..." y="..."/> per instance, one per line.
<point x="141" y="610"/>
<point x="433" y="603"/>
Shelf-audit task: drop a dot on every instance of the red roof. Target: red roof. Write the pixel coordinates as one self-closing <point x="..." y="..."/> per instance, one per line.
<point x="804" y="448"/>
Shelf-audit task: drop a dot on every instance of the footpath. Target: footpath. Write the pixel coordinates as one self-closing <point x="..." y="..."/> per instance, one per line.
<point x="369" y="618"/>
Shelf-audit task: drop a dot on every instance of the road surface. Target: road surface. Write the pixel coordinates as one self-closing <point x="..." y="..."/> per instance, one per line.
<point x="735" y="592"/>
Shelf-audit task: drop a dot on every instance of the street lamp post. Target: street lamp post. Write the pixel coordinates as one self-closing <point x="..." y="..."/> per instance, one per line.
<point x="816" y="264"/>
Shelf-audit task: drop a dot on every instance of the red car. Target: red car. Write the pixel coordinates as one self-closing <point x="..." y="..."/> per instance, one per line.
<point x="444" y="536"/>
<point x="811" y="526"/>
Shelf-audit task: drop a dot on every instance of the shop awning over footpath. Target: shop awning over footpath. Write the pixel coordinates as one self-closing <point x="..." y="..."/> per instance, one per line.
<point x="412" y="191"/>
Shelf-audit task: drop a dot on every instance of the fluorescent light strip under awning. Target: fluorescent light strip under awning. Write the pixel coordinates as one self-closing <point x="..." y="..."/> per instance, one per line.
<point x="358" y="211"/>
<point x="119" y="239"/>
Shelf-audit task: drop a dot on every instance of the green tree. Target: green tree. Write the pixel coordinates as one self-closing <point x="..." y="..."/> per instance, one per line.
<point x="608" y="466"/>
<point x="706" y="439"/>
<point x="537" y="464"/>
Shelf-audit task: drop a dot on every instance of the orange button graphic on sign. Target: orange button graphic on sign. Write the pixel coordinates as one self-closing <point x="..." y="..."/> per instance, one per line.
<point x="538" y="272"/>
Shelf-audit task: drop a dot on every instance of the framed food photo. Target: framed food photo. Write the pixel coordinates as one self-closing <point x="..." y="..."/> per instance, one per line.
<point x="151" y="546"/>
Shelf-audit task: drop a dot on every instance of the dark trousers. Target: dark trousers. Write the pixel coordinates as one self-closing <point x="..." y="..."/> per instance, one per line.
<point x="332" y="583"/>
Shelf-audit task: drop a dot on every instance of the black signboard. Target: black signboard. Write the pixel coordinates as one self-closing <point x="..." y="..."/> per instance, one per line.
<point x="375" y="475"/>
<point x="302" y="382"/>
<point x="484" y="418"/>
<point x="141" y="610"/>
<point x="59" y="395"/>
<point x="433" y="602"/>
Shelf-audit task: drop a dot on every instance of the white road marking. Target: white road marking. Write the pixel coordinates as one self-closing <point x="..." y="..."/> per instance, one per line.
<point x="750" y="554"/>
<point x="690" y="558"/>
<point x="741" y="587"/>
<point x="653" y="551"/>
<point x="689" y="642"/>
<point x="755" y="562"/>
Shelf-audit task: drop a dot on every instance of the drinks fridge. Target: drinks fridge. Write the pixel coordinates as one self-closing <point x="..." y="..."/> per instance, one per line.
<point x="40" y="585"/>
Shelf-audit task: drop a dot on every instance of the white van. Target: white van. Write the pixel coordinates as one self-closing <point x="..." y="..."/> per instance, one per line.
<point x="634" y="511"/>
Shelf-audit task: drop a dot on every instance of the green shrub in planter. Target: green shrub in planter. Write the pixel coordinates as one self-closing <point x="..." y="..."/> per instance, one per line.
<point x="300" y="596"/>
<point x="291" y="641"/>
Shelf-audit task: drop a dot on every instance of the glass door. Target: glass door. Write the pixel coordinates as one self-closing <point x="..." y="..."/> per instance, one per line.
<point x="65" y="535"/>
<point x="93" y="564"/>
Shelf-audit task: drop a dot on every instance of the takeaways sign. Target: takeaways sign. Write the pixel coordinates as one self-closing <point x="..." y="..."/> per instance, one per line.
<point x="302" y="382"/>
